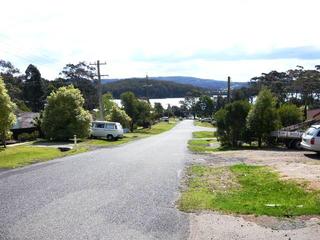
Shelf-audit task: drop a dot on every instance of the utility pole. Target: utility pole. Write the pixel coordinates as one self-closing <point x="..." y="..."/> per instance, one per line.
<point x="146" y="88"/>
<point x="101" y="107"/>
<point x="229" y="89"/>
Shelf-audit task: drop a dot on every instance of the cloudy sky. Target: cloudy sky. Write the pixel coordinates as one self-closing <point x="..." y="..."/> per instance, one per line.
<point x="209" y="39"/>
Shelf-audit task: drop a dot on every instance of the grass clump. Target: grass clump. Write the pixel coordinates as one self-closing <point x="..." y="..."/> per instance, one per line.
<point x="246" y="190"/>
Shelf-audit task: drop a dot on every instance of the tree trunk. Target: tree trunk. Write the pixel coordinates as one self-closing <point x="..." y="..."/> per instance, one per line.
<point x="259" y="142"/>
<point x="4" y="140"/>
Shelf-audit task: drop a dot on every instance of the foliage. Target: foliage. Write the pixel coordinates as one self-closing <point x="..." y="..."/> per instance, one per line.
<point x="157" y="89"/>
<point x="138" y="110"/>
<point x="7" y="117"/>
<point x="28" y="136"/>
<point x="204" y="106"/>
<point x="144" y="114"/>
<point x="263" y="117"/>
<point x="119" y="115"/>
<point x="108" y="103"/>
<point x="81" y="76"/>
<point x="231" y="123"/>
<point x="34" y="89"/>
<point x="64" y="115"/>
<point x="289" y="114"/>
<point x="158" y="110"/>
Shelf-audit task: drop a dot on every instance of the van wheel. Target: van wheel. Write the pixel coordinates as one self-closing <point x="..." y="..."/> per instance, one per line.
<point x="110" y="137"/>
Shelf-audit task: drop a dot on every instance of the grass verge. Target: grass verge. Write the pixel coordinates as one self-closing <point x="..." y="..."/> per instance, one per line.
<point x="246" y="189"/>
<point x="203" y="142"/>
<point x="19" y="156"/>
<point x="203" y="124"/>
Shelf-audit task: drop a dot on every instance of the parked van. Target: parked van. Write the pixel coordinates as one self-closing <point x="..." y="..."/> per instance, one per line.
<point x="109" y="130"/>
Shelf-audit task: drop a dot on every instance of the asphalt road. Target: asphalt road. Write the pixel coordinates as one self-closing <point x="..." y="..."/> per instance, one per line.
<point x="126" y="192"/>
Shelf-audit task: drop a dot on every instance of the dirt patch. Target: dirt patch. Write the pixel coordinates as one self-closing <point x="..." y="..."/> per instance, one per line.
<point x="298" y="165"/>
<point x="220" y="226"/>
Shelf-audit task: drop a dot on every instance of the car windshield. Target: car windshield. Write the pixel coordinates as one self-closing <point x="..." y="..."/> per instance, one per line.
<point x="311" y="131"/>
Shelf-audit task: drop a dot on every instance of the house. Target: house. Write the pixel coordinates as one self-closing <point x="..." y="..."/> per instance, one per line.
<point x="311" y="114"/>
<point x="24" y="123"/>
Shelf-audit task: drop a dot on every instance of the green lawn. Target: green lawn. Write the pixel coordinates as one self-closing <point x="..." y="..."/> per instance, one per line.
<point x="19" y="156"/>
<point x="204" y="141"/>
<point x="246" y="190"/>
<point x="203" y="134"/>
<point x="203" y="124"/>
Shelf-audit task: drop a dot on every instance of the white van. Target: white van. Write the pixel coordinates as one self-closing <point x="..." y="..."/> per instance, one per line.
<point x="109" y="130"/>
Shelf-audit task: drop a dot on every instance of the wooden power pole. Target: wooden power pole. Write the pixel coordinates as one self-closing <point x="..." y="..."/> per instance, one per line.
<point x="229" y="89"/>
<point x="101" y="107"/>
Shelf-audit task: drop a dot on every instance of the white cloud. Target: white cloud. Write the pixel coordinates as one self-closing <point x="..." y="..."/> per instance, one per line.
<point x="53" y="33"/>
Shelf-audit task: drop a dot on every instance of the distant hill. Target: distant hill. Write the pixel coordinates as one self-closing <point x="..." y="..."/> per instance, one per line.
<point x="201" y="82"/>
<point x="197" y="82"/>
<point x="155" y="89"/>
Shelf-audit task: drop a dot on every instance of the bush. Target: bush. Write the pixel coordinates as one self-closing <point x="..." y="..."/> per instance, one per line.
<point x="118" y="115"/>
<point x="64" y="115"/>
<point x="290" y="114"/>
<point x="28" y="136"/>
<point x="263" y="117"/>
<point x="231" y="123"/>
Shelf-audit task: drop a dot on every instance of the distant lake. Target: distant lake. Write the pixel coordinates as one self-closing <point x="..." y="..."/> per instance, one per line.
<point x="164" y="101"/>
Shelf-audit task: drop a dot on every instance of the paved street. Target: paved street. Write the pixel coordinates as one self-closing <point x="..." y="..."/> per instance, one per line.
<point x="126" y="192"/>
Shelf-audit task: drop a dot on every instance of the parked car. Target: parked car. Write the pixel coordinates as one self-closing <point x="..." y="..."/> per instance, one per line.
<point x="311" y="139"/>
<point x="109" y="130"/>
<point x="164" y="119"/>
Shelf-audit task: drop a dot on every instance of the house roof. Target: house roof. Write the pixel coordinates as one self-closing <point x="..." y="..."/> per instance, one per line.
<point x="25" y="120"/>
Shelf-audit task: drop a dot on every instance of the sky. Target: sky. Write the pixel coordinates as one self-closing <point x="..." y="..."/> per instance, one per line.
<point x="201" y="38"/>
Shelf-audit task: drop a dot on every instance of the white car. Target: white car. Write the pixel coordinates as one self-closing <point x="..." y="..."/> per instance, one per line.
<point x="311" y="139"/>
<point x="109" y="130"/>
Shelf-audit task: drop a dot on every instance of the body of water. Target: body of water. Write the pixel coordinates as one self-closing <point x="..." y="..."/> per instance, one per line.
<point x="164" y="101"/>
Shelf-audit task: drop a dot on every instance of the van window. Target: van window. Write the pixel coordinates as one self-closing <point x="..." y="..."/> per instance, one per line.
<point x="99" y="125"/>
<point x="110" y="126"/>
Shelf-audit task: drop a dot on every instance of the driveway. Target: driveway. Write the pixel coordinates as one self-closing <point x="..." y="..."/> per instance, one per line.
<point x="126" y="192"/>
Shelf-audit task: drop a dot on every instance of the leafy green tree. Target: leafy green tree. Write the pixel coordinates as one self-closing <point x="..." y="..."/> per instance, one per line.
<point x="158" y="110"/>
<point x="290" y="114"/>
<point x="205" y="106"/>
<point x="119" y="115"/>
<point x="7" y="117"/>
<point x="108" y="103"/>
<point x="81" y="76"/>
<point x="130" y="105"/>
<point x="64" y="115"/>
<point x="231" y="123"/>
<point x="144" y="114"/>
<point x="34" y="89"/>
<point x="263" y="118"/>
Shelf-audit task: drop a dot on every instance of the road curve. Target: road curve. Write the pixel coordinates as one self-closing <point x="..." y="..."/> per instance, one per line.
<point x="126" y="192"/>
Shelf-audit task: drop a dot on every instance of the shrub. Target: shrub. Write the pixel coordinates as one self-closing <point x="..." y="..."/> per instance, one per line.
<point x="64" y="115"/>
<point x="28" y="136"/>
<point x="289" y="114"/>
